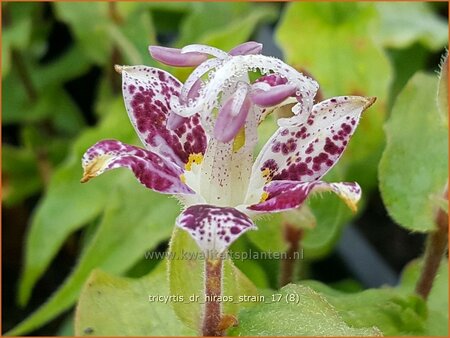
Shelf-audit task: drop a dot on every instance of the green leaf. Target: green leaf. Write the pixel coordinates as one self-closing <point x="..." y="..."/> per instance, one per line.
<point x="437" y="303"/>
<point x="240" y="30"/>
<point x="403" y="23"/>
<point x="53" y="105"/>
<point x="331" y="216"/>
<point x="24" y="30"/>
<point x="443" y="89"/>
<point x="67" y="204"/>
<point x="295" y="310"/>
<point x="414" y="166"/>
<point x="50" y="154"/>
<point x="391" y="311"/>
<point x="134" y="221"/>
<point x="241" y="255"/>
<point x="66" y="328"/>
<point x="89" y="23"/>
<point x="140" y="32"/>
<point x="17" y="107"/>
<point x="186" y="266"/>
<point x="14" y="37"/>
<point x="405" y="67"/>
<point x="20" y="174"/>
<point x="269" y="236"/>
<point x="114" y="306"/>
<point x="71" y="64"/>
<point x="334" y="41"/>
<point x="222" y="24"/>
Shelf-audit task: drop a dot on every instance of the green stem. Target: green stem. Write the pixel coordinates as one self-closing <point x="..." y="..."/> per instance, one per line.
<point x="435" y="249"/>
<point x="213" y="290"/>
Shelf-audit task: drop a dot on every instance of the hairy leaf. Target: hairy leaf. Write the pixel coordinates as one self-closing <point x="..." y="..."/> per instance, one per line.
<point x="437" y="303"/>
<point x="114" y="306"/>
<point x="414" y="167"/>
<point x="389" y="310"/>
<point x="296" y="310"/>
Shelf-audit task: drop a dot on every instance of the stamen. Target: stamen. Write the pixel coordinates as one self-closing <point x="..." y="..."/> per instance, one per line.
<point x="239" y="97"/>
<point x="247" y="48"/>
<point x="175" y="57"/>
<point x="194" y="92"/>
<point x="239" y="139"/>
<point x="204" y="49"/>
<point x="231" y="70"/>
<point x="195" y="77"/>
<point x="275" y="95"/>
<point x="232" y="115"/>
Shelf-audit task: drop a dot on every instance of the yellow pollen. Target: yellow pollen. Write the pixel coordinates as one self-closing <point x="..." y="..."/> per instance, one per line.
<point x="193" y="158"/>
<point x="264" y="197"/>
<point x="239" y="139"/>
<point x="183" y="178"/>
<point x="266" y="174"/>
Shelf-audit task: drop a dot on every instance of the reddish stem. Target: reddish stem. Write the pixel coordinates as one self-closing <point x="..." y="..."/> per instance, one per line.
<point x="213" y="290"/>
<point x="292" y="235"/>
<point x="435" y="249"/>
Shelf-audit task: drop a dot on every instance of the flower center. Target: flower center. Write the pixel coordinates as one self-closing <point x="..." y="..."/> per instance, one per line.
<point x="193" y="159"/>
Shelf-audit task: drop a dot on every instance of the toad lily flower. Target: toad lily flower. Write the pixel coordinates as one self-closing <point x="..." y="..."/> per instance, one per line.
<point x="199" y="138"/>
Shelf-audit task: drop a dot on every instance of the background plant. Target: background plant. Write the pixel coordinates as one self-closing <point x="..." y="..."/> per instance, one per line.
<point x="60" y="95"/>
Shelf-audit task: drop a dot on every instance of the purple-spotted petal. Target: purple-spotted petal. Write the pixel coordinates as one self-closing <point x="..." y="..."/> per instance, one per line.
<point x="283" y="195"/>
<point x="152" y="170"/>
<point x="274" y="96"/>
<point x="214" y="228"/>
<point x="232" y="115"/>
<point x="147" y="93"/>
<point x="246" y="48"/>
<point x="174" y="56"/>
<point x="174" y="121"/>
<point x="307" y="151"/>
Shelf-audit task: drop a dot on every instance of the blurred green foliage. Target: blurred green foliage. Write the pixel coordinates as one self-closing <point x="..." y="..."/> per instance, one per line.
<point x="61" y="95"/>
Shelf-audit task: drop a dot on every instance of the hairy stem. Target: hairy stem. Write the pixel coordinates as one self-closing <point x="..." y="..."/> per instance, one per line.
<point x="213" y="290"/>
<point x="435" y="249"/>
<point x="292" y="235"/>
